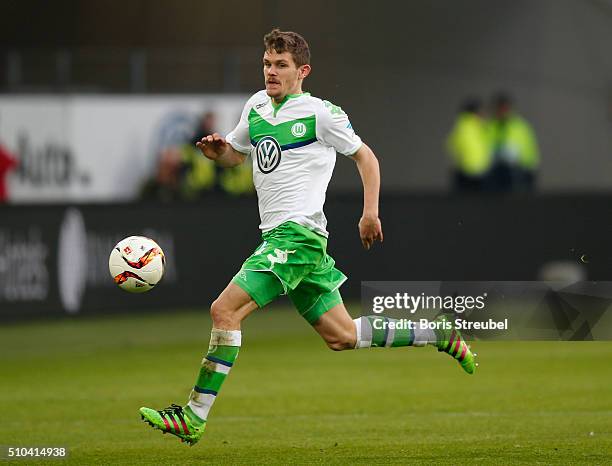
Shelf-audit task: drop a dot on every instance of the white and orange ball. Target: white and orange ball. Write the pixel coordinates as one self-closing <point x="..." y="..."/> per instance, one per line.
<point x="136" y="264"/>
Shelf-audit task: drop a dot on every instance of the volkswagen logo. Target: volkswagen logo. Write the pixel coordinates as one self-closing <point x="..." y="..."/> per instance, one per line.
<point x="268" y="154"/>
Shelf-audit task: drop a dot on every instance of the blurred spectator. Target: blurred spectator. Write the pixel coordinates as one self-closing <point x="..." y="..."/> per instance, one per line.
<point x="207" y="125"/>
<point x="203" y="175"/>
<point x="183" y="173"/>
<point x="166" y="184"/>
<point x="200" y="173"/>
<point x="515" y="149"/>
<point x="469" y="146"/>
<point x="7" y="163"/>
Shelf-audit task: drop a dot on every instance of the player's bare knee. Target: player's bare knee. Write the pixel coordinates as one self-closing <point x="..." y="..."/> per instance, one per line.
<point x="222" y="315"/>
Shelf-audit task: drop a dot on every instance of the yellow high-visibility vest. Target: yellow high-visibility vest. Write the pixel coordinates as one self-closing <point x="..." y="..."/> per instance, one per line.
<point x="469" y="145"/>
<point x="515" y="138"/>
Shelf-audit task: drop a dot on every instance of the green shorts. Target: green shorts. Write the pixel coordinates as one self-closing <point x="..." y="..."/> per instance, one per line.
<point x="292" y="260"/>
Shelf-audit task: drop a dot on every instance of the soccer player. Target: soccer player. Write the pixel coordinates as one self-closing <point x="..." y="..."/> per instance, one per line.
<point x="292" y="138"/>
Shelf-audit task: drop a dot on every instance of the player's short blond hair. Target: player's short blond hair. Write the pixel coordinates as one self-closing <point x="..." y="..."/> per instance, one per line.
<point x="288" y="41"/>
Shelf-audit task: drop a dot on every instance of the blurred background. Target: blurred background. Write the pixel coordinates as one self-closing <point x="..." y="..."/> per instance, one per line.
<point x="492" y="122"/>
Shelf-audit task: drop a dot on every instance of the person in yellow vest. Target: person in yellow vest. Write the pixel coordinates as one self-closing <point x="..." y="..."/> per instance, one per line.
<point x="470" y="149"/>
<point x="204" y="176"/>
<point x="515" y="148"/>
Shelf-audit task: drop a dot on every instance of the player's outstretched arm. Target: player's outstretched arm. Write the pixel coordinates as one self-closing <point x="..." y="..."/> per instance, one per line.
<point x="370" y="228"/>
<point x="216" y="148"/>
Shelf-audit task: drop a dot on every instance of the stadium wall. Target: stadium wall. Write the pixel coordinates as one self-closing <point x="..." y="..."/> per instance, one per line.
<point x="54" y="259"/>
<point x="99" y="148"/>
<point x="400" y="69"/>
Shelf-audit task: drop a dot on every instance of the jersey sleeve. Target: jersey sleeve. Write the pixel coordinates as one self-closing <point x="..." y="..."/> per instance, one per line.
<point x="335" y="129"/>
<point x="239" y="138"/>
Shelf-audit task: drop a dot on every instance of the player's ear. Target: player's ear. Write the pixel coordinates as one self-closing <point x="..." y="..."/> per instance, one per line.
<point x="304" y="71"/>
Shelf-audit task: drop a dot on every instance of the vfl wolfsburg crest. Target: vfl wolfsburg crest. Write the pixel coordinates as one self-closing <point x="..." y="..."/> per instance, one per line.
<point x="298" y="129"/>
<point x="268" y="154"/>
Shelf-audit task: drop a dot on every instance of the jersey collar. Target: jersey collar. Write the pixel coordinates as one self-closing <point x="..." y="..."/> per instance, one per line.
<point x="278" y="106"/>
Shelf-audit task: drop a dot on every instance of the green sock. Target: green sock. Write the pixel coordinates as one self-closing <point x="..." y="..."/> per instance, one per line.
<point x="222" y="352"/>
<point x="379" y="331"/>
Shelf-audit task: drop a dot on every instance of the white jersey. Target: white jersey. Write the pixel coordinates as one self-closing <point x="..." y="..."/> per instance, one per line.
<point x="293" y="146"/>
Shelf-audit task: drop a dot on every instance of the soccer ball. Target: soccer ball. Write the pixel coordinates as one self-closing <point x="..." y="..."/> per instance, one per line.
<point x="136" y="264"/>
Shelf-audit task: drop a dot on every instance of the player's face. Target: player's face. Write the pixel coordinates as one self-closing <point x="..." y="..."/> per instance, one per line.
<point x="281" y="75"/>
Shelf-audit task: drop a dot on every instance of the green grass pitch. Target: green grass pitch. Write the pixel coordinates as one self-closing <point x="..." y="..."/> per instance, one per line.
<point x="79" y="383"/>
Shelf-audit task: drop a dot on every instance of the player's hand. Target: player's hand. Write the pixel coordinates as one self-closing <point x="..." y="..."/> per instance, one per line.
<point x="370" y="230"/>
<point x="212" y="146"/>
